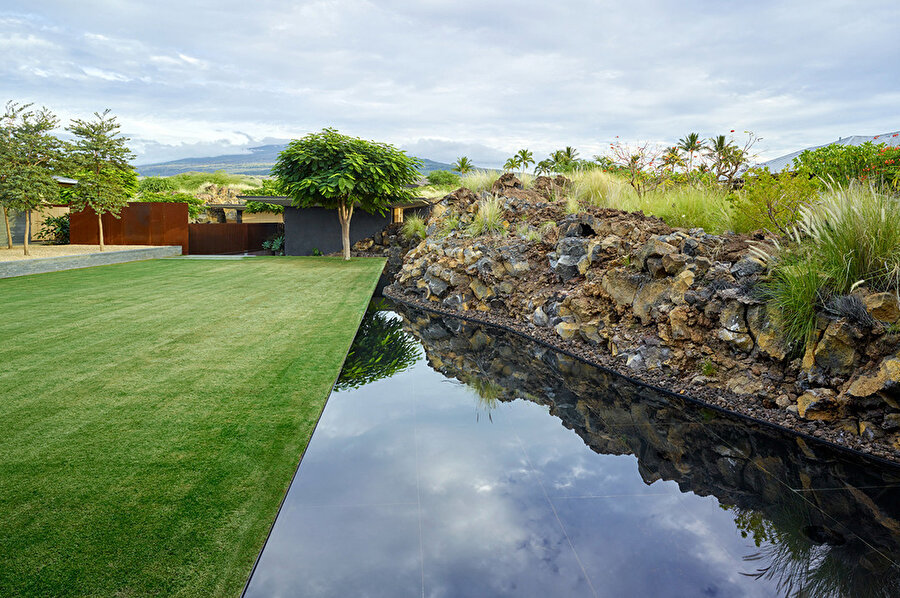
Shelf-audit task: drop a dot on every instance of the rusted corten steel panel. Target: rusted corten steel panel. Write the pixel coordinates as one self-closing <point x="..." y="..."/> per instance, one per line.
<point x="138" y="224"/>
<point x="230" y="237"/>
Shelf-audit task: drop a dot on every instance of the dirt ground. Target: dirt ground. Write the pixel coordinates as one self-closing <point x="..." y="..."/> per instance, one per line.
<point x="38" y="251"/>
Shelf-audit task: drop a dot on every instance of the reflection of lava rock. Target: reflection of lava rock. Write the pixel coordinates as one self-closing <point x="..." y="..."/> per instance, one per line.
<point x="671" y="439"/>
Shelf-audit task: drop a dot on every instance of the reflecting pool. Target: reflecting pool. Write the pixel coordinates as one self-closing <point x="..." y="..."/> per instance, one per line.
<point x="455" y="460"/>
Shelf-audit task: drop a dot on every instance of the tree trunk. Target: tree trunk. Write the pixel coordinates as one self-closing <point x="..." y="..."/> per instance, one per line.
<point x="8" y="232"/>
<point x="344" y="215"/>
<point x="27" y="231"/>
<point x="100" y="224"/>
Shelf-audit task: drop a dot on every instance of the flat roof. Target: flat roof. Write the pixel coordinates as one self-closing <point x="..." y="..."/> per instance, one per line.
<point x="283" y="200"/>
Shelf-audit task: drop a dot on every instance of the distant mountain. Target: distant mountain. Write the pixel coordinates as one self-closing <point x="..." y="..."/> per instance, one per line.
<point x="782" y="162"/>
<point x="259" y="162"/>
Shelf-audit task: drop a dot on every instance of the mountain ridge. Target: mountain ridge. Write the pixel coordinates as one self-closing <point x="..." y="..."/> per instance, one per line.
<point x="258" y="162"/>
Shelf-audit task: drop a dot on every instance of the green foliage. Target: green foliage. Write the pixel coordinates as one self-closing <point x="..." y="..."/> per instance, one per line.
<point x="316" y="252"/>
<point x="444" y="178"/>
<point x="772" y="202"/>
<point x="258" y="207"/>
<point x="55" y="229"/>
<point x="794" y="293"/>
<point x="268" y="188"/>
<point x="275" y="245"/>
<point x="106" y="180"/>
<point x="488" y="219"/>
<point x="380" y="350"/>
<point x="573" y="205"/>
<point x="413" y="228"/>
<point x="30" y="156"/>
<point x="156" y="184"/>
<point x="708" y="368"/>
<point x="524" y="158"/>
<point x="449" y="224"/>
<point x="195" y="205"/>
<point x="511" y="164"/>
<point x="878" y="164"/>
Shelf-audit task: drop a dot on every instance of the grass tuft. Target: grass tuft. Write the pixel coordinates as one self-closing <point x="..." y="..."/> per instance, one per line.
<point x="413" y="228"/>
<point x="488" y="219"/>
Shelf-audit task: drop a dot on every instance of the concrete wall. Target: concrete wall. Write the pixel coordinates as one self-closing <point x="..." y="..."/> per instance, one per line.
<point x="16" y="225"/>
<point x="307" y="229"/>
<point x="70" y="262"/>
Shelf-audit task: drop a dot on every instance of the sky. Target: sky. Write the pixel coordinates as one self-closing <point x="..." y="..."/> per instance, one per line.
<point x="443" y="79"/>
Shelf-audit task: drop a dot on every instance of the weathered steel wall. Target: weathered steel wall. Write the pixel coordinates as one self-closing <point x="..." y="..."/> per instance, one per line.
<point x="138" y="224"/>
<point x="230" y="237"/>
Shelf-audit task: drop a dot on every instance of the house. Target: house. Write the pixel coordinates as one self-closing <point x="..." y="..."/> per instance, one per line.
<point x="17" y="219"/>
<point x="309" y="229"/>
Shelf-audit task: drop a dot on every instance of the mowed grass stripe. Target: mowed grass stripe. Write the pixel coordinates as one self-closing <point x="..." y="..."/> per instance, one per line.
<point x="153" y="414"/>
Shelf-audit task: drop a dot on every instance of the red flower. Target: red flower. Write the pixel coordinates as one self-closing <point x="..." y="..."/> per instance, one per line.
<point x="732" y="130"/>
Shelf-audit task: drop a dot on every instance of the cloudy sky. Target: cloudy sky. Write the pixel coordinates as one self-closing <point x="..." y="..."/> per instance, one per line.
<point x="443" y="79"/>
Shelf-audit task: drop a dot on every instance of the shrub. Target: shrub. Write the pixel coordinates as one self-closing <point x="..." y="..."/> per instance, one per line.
<point x="413" y="228"/>
<point x="55" y="229"/>
<point x="156" y="184"/>
<point x="878" y="164"/>
<point x="444" y="178"/>
<point x="573" y="205"/>
<point x="196" y="206"/>
<point x="772" y="202"/>
<point x="256" y="207"/>
<point x="850" y="238"/>
<point x="275" y="245"/>
<point x="488" y="219"/>
<point x="855" y="234"/>
<point x="794" y="293"/>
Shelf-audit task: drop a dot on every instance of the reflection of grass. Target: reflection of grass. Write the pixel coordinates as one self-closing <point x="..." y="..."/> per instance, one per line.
<point x="803" y="568"/>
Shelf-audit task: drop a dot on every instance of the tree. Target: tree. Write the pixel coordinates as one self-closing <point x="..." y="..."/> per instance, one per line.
<point x="106" y="180"/>
<point x="511" y="164"/>
<point x="544" y="167"/>
<point x="339" y="172"/>
<point x="463" y="165"/>
<point x="525" y="159"/>
<point x="30" y="156"/>
<point x="727" y="158"/>
<point x="642" y="164"/>
<point x="690" y="144"/>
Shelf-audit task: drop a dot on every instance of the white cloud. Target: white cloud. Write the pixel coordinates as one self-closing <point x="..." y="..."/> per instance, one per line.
<point x="464" y="76"/>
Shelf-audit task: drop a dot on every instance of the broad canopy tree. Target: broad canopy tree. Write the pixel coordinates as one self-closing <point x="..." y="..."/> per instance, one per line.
<point x="339" y="172"/>
<point x="30" y="157"/>
<point x="106" y="180"/>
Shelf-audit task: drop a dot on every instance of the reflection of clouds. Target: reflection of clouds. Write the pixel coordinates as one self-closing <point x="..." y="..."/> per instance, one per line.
<point x="408" y="453"/>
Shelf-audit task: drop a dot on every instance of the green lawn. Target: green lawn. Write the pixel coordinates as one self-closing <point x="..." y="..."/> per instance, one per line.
<point x="152" y="415"/>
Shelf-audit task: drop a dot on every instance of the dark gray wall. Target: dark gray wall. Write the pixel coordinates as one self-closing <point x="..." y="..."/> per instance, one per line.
<point x="306" y="229"/>
<point x="16" y="225"/>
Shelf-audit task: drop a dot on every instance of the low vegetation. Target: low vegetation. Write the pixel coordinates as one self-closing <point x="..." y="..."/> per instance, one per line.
<point x="413" y="228"/>
<point x="488" y="219"/>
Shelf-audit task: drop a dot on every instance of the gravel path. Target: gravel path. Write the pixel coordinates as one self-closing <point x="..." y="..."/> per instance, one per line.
<point x="37" y="251"/>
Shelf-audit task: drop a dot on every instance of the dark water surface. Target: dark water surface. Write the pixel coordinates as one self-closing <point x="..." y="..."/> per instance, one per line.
<point x="487" y="465"/>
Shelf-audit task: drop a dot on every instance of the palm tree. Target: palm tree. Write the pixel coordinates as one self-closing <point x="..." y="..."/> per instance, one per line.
<point x="570" y="153"/>
<point x="525" y="159"/>
<point x="462" y="165"/>
<point x="511" y="164"/>
<point x="544" y="167"/>
<point x="690" y="144"/>
<point x="672" y="158"/>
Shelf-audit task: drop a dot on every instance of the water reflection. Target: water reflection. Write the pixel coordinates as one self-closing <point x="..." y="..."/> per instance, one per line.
<point x="825" y="523"/>
<point x="380" y="349"/>
<point x="403" y="492"/>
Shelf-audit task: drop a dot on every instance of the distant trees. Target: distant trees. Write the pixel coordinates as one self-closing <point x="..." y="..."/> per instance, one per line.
<point x="339" y="172"/>
<point x="690" y="144"/>
<point x="106" y="180"/>
<point x="30" y="157"/>
<point x="463" y="165"/>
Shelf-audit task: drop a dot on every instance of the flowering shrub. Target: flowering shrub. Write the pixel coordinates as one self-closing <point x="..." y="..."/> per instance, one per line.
<point x="878" y="164"/>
